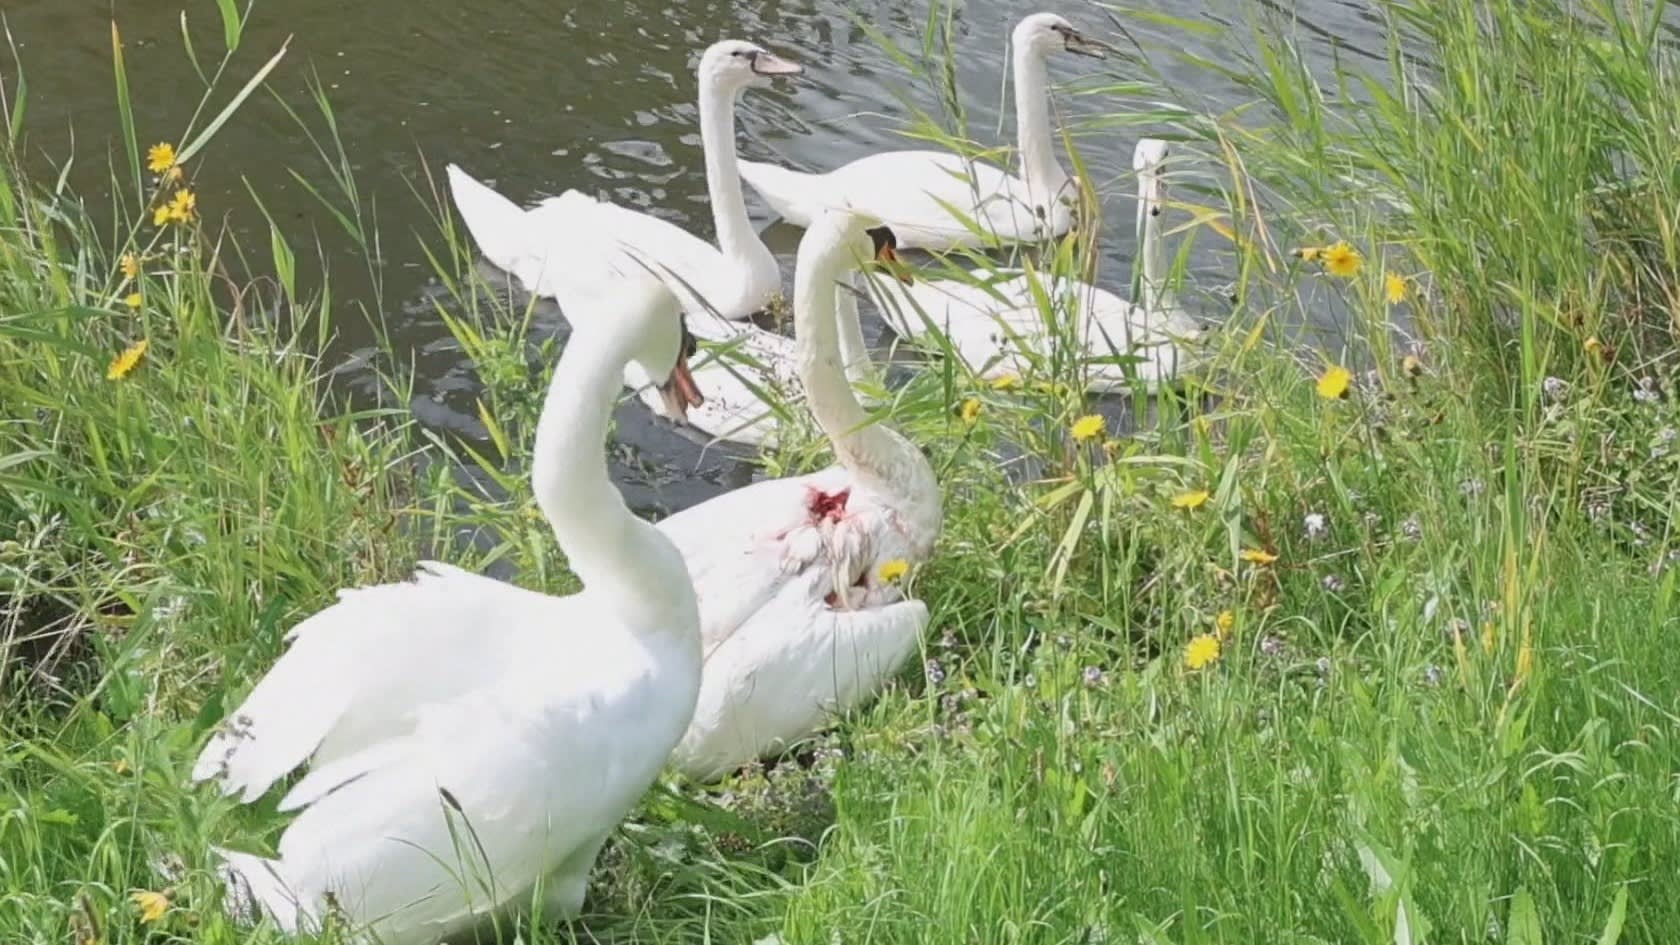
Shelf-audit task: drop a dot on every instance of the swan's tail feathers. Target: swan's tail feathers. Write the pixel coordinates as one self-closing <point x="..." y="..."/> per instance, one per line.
<point x="255" y="888"/>
<point x="784" y="190"/>
<point x="496" y="223"/>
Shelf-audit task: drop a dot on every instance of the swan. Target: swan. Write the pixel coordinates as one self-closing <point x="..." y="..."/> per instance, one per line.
<point x="915" y="192"/>
<point x="797" y="620"/>
<point x="719" y="287"/>
<point x="732" y="282"/>
<point x="991" y="318"/>
<point x="745" y="361"/>
<point x="471" y="744"/>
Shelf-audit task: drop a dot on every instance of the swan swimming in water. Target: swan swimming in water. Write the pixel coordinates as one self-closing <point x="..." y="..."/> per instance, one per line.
<point x="993" y="321"/>
<point x="912" y="191"/>
<point x="720" y="285"/>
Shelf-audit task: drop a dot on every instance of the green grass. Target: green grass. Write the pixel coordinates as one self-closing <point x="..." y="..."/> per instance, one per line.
<point x="1449" y="715"/>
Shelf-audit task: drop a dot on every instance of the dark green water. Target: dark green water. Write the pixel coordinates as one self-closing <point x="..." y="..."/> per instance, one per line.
<point x="538" y="97"/>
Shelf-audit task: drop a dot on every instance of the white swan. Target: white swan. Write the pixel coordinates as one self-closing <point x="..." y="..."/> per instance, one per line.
<point x="797" y="620"/>
<point x="993" y="320"/>
<point x="470" y="742"/>
<point x="733" y="282"/>
<point x="745" y="359"/>
<point x="914" y="192"/>
<point x="728" y="285"/>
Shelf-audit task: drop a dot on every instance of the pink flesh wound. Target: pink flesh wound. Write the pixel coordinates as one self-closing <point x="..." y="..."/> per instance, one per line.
<point x="826" y="505"/>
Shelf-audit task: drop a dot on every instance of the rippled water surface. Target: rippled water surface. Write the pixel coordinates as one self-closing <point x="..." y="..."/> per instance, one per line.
<point x="538" y="97"/>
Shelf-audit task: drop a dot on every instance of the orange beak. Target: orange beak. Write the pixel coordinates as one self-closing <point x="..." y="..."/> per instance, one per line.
<point x="680" y="391"/>
<point x="888" y="258"/>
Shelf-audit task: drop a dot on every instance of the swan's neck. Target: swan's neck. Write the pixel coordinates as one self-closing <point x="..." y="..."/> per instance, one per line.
<point x="1039" y="168"/>
<point x="854" y="351"/>
<point x="877" y="455"/>
<point x="614" y="553"/>
<point x="1153" y="295"/>
<point x="736" y="237"/>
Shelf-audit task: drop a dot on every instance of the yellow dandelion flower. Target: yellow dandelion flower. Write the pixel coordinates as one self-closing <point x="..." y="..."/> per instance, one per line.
<point x="1224" y="622"/>
<point x="1202" y="652"/>
<point x="1411" y="366"/>
<point x="894" y="569"/>
<point x="1089" y="427"/>
<point x="1194" y="499"/>
<point x="152" y="905"/>
<point x="1006" y="382"/>
<point x="971" y="410"/>
<point x="124" y="363"/>
<point x="160" y="157"/>
<point x="160" y="216"/>
<point x="1334" y="382"/>
<point x="130" y="266"/>
<point x="1258" y="556"/>
<point x="1342" y="260"/>
<point x="1309" y="253"/>
<point x="1394" y="288"/>
<point x="1593" y="345"/>
<point x="133" y="300"/>
<point x="182" y="207"/>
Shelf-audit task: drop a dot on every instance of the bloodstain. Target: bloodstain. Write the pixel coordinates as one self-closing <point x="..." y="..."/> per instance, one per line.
<point x="829" y="505"/>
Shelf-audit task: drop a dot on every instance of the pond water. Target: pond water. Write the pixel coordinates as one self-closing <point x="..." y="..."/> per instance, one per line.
<point x="538" y="97"/>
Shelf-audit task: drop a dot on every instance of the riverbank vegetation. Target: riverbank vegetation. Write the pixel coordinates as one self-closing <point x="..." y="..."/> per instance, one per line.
<point x="1368" y="638"/>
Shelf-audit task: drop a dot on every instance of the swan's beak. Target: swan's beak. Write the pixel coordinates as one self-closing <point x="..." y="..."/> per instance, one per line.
<point x="771" y="65"/>
<point x="888" y="258"/>
<point x="680" y="391"/>
<point x="1081" y="45"/>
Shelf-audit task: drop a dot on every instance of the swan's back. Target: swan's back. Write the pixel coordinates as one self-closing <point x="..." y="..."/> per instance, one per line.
<point x="913" y="192"/>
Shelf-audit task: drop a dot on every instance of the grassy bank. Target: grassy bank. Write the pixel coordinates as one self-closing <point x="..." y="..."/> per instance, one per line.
<point x="1376" y="647"/>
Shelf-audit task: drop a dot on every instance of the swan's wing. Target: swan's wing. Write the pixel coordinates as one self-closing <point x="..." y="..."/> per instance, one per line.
<point x="745" y="546"/>
<point x="694" y="263"/>
<point x="546" y="248"/>
<point x="358" y="672"/>
<point x="788" y="669"/>
<point x="987" y="325"/>
<point x="492" y="791"/>
<point x="915" y="192"/>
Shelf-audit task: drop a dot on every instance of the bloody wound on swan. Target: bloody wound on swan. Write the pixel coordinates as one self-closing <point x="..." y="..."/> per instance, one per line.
<point x="829" y="505"/>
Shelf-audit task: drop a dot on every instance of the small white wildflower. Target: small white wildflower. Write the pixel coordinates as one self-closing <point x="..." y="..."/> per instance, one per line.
<point x="1315" y="526"/>
<point x="1411" y="529"/>
<point x="1333" y="584"/>
<point x="1472" y="487"/>
<point x="1555" y="389"/>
